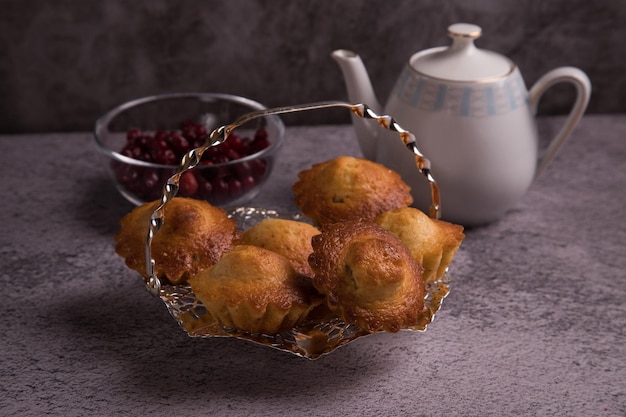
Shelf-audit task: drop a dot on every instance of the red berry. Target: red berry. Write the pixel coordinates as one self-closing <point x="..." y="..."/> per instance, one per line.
<point x="257" y="166"/>
<point x="235" y="142"/>
<point x="161" y="135"/>
<point x="204" y="187"/>
<point x="242" y="169"/>
<point x="179" y="143"/>
<point x="220" y="159"/>
<point x="258" y="144"/>
<point x="144" y="141"/>
<point x="220" y="188"/>
<point x="125" y="173"/>
<point x="211" y="152"/>
<point x="188" y="184"/>
<point x="151" y="179"/>
<point x="247" y="182"/>
<point x="165" y="157"/>
<point x="232" y="155"/>
<point x="127" y="151"/>
<point x="234" y="187"/>
<point x="197" y="143"/>
<point x="200" y="131"/>
<point x="133" y="134"/>
<point x="192" y="131"/>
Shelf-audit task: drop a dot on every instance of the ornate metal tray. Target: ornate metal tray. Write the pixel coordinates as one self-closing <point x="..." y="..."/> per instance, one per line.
<point x="310" y="339"/>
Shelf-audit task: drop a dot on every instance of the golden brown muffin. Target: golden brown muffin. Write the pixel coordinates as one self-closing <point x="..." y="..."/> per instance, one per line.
<point x="432" y="243"/>
<point x="290" y="238"/>
<point x="255" y="290"/>
<point x="368" y="276"/>
<point x="193" y="237"/>
<point x="348" y="188"/>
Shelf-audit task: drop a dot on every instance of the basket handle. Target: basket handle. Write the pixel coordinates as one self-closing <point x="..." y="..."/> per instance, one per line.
<point x="191" y="159"/>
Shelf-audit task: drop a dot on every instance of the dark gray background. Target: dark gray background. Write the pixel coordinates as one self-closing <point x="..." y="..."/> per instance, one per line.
<point x="63" y="62"/>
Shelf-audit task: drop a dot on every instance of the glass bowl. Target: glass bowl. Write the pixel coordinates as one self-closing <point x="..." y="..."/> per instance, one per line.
<point x="145" y="139"/>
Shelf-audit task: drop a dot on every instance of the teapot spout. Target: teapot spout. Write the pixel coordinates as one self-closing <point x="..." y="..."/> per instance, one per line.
<point x="359" y="91"/>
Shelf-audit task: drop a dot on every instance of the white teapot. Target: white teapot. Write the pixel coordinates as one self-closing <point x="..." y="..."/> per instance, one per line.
<point x="472" y="116"/>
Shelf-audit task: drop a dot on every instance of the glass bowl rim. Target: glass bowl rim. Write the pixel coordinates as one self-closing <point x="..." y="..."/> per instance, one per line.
<point x="103" y="121"/>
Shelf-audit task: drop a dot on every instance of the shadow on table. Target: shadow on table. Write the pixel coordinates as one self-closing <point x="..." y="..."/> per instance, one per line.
<point x="144" y="351"/>
<point x="101" y="206"/>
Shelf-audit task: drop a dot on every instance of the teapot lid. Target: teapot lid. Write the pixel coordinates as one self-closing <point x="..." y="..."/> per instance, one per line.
<point x="461" y="61"/>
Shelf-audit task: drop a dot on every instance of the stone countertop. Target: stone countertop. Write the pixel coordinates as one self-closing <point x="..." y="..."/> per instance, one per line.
<point x="534" y="325"/>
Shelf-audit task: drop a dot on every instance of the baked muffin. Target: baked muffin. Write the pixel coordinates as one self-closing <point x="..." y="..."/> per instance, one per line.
<point x="432" y="243"/>
<point x="368" y="276"/>
<point x="255" y="290"/>
<point x="290" y="238"/>
<point x="193" y="237"/>
<point x="348" y="188"/>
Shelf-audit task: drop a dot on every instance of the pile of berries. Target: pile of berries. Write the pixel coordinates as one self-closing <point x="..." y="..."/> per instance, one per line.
<point x="216" y="184"/>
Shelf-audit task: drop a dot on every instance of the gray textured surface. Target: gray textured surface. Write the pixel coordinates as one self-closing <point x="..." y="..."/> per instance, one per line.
<point x="64" y="63"/>
<point x="534" y="326"/>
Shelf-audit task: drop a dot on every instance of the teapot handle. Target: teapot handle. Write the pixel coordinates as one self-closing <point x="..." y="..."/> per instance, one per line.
<point x="583" y="91"/>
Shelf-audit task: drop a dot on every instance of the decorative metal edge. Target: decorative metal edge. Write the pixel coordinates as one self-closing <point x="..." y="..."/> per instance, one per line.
<point x="309" y="340"/>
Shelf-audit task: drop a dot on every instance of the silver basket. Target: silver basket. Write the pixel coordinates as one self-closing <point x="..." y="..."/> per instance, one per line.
<point x="309" y="339"/>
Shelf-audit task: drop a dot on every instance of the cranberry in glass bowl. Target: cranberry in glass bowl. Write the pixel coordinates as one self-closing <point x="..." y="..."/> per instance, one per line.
<point x="145" y="139"/>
